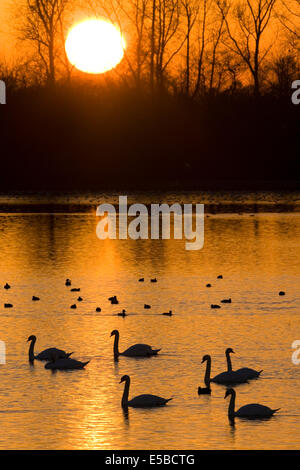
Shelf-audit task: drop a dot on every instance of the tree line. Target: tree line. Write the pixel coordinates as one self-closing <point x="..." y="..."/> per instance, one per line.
<point x="186" y="47"/>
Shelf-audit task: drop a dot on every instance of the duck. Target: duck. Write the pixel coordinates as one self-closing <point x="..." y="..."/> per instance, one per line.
<point x="68" y="282"/>
<point x="122" y="314"/>
<point x="147" y="306"/>
<point x="113" y="300"/>
<point x="153" y="280"/>
<point x="208" y="285"/>
<point x="169" y="313"/>
<point x="230" y="376"/>
<point x="75" y="289"/>
<point x="226" y="301"/>
<point x="80" y="299"/>
<point x="73" y="306"/>
<point x="98" y="309"/>
<point x="243" y="371"/>
<point x="215" y="306"/>
<point x="34" y="298"/>
<point x="141" y="401"/>
<point x="47" y="354"/>
<point x="142" y="279"/>
<point x="137" y="350"/>
<point x="251" y="411"/>
<point x="64" y="364"/>
<point x="7" y="286"/>
<point x="281" y="293"/>
<point x="8" y="305"/>
<point x="220" y="276"/>
<point x="206" y="390"/>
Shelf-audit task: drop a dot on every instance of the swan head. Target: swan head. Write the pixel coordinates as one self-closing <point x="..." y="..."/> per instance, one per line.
<point x="205" y="358"/>
<point x="125" y="378"/>
<point x="115" y="332"/>
<point x="229" y="391"/>
<point x="31" y="338"/>
<point x="230" y="351"/>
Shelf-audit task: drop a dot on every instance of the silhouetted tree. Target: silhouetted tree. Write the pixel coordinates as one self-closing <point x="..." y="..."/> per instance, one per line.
<point x="252" y="18"/>
<point x="42" y="27"/>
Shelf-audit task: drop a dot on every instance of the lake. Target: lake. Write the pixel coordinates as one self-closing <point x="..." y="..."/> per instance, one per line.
<point x="252" y="239"/>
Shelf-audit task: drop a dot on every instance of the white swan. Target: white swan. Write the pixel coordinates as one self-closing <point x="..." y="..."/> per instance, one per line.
<point x="141" y="400"/>
<point x="243" y="371"/>
<point x="65" y="364"/>
<point x="207" y="389"/>
<point x="137" y="350"/>
<point x="47" y="354"/>
<point x="230" y="376"/>
<point x="254" y="410"/>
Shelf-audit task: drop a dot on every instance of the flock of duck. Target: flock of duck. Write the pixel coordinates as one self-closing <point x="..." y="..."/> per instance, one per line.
<point x="58" y="359"/>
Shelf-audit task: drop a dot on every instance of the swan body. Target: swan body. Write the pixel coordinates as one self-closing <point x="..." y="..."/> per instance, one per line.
<point x="137" y="350"/>
<point x="65" y="364"/>
<point x="141" y="401"/>
<point x="47" y="354"/>
<point x="253" y="410"/>
<point x="230" y="376"/>
<point x="244" y="372"/>
<point x="249" y="373"/>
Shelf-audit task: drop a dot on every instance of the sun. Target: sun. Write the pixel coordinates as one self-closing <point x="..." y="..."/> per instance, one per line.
<point x="95" y="46"/>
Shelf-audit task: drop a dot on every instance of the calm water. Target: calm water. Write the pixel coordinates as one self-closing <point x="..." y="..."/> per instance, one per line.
<point x="258" y="255"/>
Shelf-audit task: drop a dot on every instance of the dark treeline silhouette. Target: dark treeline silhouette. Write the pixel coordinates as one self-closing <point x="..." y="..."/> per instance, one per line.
<point x="202" y="99"/>
<point x="93" y="138"/>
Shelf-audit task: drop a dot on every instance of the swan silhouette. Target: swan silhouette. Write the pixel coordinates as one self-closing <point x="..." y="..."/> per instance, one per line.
<point x="7" y="286"/>
<point x="245" y="372"/>
<point x="64" y="364"/>
<point x="207" y="389"/>
<point x="47" y="354"/>
<point x="230" y="376"/>
<point x="137" y="350"/>
<point x="140" y="401"/>
<point x="252" y="411"/>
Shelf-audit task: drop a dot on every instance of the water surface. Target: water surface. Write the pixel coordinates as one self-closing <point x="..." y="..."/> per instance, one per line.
<point x="251" y="243"/>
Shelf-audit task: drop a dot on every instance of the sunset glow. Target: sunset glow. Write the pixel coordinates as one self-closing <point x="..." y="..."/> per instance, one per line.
<point x="95" y="46"/>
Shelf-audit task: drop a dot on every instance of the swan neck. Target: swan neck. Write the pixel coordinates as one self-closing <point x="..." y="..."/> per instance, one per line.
<point x="126" y="393"/>
<point x="31" y="350"/>
<point x="231" y="405"/>
<point x="229" y="366"/>
<point x="207" y="372"/>
<point x="116" y="345"/>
